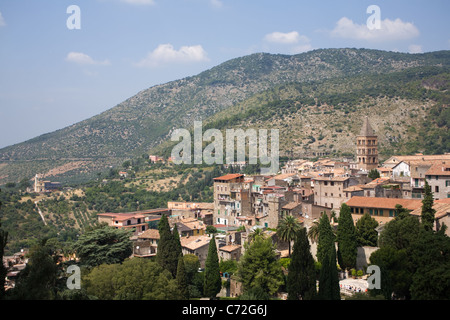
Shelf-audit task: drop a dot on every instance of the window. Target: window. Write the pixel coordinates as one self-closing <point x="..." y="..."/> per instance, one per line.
<point x="371" y="211"/>
<point x="436" y="189"/>
<point x="447" y="183"/>
<point x="380" y="212"/>
<point x="391" y="213"/>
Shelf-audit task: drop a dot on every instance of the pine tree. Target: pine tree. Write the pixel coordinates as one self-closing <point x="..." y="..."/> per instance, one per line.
<point x="213" y="283"/>
<point x="346" y="239"/>
<point x="428" y="212"/>
<point x="301" y="280"/>
<point x="181" y="279"/>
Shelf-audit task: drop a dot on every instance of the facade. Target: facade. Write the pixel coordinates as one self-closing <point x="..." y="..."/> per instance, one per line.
<point x="137" y="221"/>
<point x="329" y="192"/>
<point x="381" y="209"/>
<point x="231" y="199"/>
<point x="438" y="177"/>
<point x="367" y="147"/>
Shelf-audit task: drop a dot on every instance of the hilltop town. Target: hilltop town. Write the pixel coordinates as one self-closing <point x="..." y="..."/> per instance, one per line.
<point x="304" y="190"/>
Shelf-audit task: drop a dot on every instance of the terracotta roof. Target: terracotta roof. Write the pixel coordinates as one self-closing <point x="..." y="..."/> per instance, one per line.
<point x="442" y="209"/>
<point x="291" y="205"/>
<point x="194" y="242"/>
<point x="229" y="176"/>
<point x="149" y="234"/>
<point x="284" y="176"/>
<point x="353" y="188"/>
<point x="383" y="203"/>
<point x="439" y="170"/>
<point x="121" y="216"/>
<point x="230" y="248"/>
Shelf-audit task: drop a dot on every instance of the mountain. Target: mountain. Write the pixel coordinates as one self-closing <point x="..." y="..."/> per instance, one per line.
<point x="144" y="121"/>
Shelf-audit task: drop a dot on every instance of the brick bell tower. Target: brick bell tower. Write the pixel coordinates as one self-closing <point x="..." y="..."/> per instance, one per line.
<point x="367" y="147"/>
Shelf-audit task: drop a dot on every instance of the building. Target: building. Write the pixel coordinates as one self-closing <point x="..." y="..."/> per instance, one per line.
<point x="329" y="192"/>
<point x="438" y="177"/>
<point x="138" y="221"/>
<point x="381" y="209"/>
<point x="197" y="245"/>
<point x="230" y="252"/>
<point x="442" y="214"/>
<point x="41" y="186"/>
<point x="146" y="245"/>
<point x="367" y="147"/>
<point x="231" y="198"/>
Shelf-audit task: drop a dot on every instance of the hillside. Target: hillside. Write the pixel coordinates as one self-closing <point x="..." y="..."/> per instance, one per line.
<point x="145" y="120"/>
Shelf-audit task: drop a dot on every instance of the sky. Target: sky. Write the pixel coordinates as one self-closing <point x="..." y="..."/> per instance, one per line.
<point x="62" y="61"/>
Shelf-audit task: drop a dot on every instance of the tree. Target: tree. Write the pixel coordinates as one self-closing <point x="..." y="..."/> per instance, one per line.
<point x="373" y="174"/>
<point x="213" y="283"/>
<point x="431" y="254"/>
<point x="259" y="266"/>
<point x="287" y="230"/>
<point x="301" y="280"/>
<point x="325" y="239"/>
<point x="168" y="252"/>
<point x="103" y="245"/>
<point x="38" y="280"/>
<point x="313" y="232"/>
<point x="346" y="239"/>
<point x="182" y="280"/>
<point x="366" y="232"/>
<point x="329" y="279"/>
<point x="428" y="213"/>
<point x="134" y="279"/>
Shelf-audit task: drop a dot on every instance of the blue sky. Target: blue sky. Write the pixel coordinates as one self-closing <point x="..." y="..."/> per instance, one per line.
<point x="52" y="76"/>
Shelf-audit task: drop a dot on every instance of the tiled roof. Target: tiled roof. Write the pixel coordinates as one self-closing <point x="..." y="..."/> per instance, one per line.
<point x="383" y="203"/>
<point x="229" y="176"/>
<point x="149" y="234"/>
<point x="194" y="242"/>
<point x="230" y="248"/>
<point x="439" y="170"/>
<point x="442" y="209"/>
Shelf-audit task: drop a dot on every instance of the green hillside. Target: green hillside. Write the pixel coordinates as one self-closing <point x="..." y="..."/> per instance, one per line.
<point x="307" y="88"/>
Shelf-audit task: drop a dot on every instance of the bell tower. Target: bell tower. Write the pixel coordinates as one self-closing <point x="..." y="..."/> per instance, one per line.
<point x="367" y="147"/>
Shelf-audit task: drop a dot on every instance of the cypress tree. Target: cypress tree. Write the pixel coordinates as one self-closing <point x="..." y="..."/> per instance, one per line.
<point x="346" y="239"/>
<point x="328" y="279"/>
<point x="213" y="283"/>
<point x="325" y="239"/>
<point x="176" y="240"/>
<point x="301" y="280"/>
<point x="428" y="212"/>
<point x="166" y="254"/>
<point x="182" y="279"/>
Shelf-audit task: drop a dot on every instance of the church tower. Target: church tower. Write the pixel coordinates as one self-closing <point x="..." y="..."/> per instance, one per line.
<point x="367" y="147"/>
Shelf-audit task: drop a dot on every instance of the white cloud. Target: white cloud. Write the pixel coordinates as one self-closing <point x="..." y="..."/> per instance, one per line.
<point x="284" y="38"/>
<point x="165" y="53"/>
<point x="83" y="59"/>
<point x="415" y="48"/>
<point x="390" y="30"/>
<point x="290" y="42"/>
<point x="139" y="2"/>
<point x="2" y="21"/>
